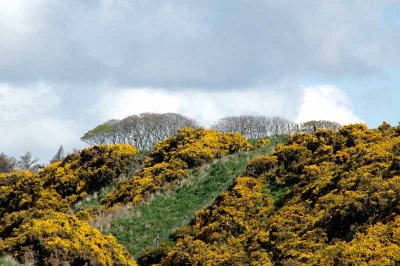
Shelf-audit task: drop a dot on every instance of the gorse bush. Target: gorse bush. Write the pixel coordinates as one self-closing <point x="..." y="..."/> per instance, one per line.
<point x="336" y="202"/>
<point x="263" y="142"/>
<point x="89" y="170"/>
<point x="52" y="238"/>
<point x="18" y="191"/>
<point x="170" y="160"/>
<point x="33" y="223"/>
<point x="63" y="183"/>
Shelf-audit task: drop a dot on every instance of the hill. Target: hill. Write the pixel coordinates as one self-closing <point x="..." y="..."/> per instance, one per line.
<point x="324" y="199"/>
<point x="203" y="197"/>
<point x="40" y="220"/>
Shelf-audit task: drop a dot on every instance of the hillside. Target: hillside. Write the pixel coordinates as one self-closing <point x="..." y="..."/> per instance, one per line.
<point x="176" y="207"/>
<point x="37" y="221"/>
<point x="324" y="199"/>
<point x="203" y="197"/>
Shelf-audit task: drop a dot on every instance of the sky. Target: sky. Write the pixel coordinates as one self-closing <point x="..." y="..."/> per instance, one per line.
<point x="67" y="66"/>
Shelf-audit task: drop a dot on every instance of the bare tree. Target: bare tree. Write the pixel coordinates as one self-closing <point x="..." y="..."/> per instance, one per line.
<point x="28" y="162"/>
<point x="59" y="156"/>
<point x="141" y="131"/>
<point x="255" y="127"/>
<point x="7" y="163"/>
<point x="313" y="125"/>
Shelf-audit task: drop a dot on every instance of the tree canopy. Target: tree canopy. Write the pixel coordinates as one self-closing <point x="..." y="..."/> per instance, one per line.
<point x="142" y="131"/>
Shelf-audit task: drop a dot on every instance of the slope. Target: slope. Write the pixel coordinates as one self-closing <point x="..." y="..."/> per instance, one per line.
<point x="146" y="225"/>
<point x="338" y="205"/>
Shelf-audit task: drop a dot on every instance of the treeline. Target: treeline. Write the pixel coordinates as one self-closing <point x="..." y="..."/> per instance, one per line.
<point x="255" y="127"/>
<point x="145" y="130"/>
<point x="142" y="131"/>
<point x="27" y="161"/>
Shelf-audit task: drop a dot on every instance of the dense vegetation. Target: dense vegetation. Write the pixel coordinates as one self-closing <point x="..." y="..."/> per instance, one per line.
<point x="155" y="221"/>
<point x="34" y="225"/>
<point x="145" y="130"/>
<point x="171" y="159"/>
<point x="324" y="199"/>
<point x="200" y="197"/>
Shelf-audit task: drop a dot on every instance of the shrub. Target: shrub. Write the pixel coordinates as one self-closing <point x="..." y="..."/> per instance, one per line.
<point x="263" y="142"/>
<point x="18" y="191"/>
<point x="52" y="238"/>
<point x="63" y="183"/>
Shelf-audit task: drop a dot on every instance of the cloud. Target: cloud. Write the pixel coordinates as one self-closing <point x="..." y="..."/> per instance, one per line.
<point x="30" y="119"/>
<point x="288" y="100"/>
<point x="207" y="44"/>
<point x="326" y="102"/>
<point x="68" y="65"/>
<point x="36" y="45"/>
<point x="298" y="103"/>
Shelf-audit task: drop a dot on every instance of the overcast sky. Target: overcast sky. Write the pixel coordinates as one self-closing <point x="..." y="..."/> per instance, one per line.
<point x="66" y="66"/>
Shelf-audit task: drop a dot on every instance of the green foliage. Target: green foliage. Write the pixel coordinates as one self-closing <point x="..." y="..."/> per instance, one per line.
<point x="101" y="134"/>
<point x="155" y="254"/>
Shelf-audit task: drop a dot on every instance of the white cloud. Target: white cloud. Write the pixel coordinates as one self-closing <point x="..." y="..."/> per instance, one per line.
<point x="326" y="102"/>
<point x="30" y="120"/>
<point x="320" y="102"/>
<point x="121" y="103"/>
<point x="203" y="105"/>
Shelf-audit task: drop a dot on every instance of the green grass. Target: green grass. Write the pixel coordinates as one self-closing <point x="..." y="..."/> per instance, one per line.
<point x="7" y="260"/>
<point x="154" y="222"/>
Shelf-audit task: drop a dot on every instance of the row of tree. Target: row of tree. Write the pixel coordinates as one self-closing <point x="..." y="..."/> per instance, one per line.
<point x="255" y="127"/>
<point x="145" y="130"/>
<point x="142" y="131"/>
<point x="26" y="161"/>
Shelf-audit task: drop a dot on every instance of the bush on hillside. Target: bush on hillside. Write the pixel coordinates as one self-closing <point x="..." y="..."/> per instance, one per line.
<point x="170" y="160"/>
<point x="61" y="184"/>
<point x="52" y="238"/>
<point x="341" y="205"/>
<point x="263" y="142"/>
